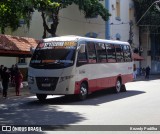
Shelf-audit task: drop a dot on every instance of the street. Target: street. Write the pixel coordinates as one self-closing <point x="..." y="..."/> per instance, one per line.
<point x="140" y="105"/>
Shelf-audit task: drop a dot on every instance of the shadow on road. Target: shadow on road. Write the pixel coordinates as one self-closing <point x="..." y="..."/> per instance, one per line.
<point x="27" y="111"/>
<point x="33" y="113"/>
<point x="95" y="98"/>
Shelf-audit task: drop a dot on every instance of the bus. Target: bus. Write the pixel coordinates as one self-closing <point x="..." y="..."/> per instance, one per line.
<point x="75" y="65"/>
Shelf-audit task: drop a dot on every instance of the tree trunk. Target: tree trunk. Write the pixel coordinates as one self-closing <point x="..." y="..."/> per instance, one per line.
<point x="54" y="25"/>
<point x="54" y="28"/>
<point x="2" y="30"/>
<point x="44" y="25"/>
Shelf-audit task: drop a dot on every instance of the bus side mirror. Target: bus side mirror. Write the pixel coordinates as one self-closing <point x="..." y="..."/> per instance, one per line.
<point x="82" y="48"/>
<point x="32" y="49"/>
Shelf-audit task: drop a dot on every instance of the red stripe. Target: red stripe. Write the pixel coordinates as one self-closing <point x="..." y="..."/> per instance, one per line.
<point x="102" y="83"/>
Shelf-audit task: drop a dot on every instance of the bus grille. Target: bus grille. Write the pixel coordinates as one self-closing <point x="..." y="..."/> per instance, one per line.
<point x="47" y="83"/>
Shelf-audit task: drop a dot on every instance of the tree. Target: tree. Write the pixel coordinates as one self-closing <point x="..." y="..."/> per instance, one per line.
<point x="11" y="11"/>
<point x="152" y="16"/>
<point x="148" y="20"/>
<point x="51" y="8"/>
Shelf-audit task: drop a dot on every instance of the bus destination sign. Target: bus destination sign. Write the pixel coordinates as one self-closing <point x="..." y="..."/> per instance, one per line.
<point x="57" y="44"/>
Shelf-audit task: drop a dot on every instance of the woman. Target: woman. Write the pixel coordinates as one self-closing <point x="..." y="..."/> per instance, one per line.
<point x="5" y="81"/>
<point x="18" y="81"/>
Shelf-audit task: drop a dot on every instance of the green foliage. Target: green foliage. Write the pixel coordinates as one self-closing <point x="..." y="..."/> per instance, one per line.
<point x="93" y="8"/>
<point x="152" y="16"/>
<point x="11" y="11"/>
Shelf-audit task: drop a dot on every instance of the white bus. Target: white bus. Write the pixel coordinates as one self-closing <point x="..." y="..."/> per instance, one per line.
<point x="78" y="65"/>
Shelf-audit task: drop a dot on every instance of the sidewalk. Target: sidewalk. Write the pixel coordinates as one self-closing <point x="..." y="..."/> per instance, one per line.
<point x="23" y="92"/>
<point x="151" y="77"/>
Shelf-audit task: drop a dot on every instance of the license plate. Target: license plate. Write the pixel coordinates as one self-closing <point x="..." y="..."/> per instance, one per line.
<point x="46" y="85"/>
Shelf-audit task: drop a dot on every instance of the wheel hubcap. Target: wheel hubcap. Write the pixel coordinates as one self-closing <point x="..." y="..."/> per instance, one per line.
<point x="83" y="91"/>
<point x="118" y="86"/>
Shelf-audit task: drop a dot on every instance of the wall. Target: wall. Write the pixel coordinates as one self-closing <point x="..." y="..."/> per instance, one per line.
<point x="121" y="24"/>
<point x="7" y="61"/>
<point x="145" y="42"/>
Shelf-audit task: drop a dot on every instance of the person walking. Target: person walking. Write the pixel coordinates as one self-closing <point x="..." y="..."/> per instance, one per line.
<point x="12" y="72"/>
<point x="18" y="81"/>
<point x="1" y="70"/>
<point x="134" y="72"/>
<point x="147" y="72"/>
<point x="5" y="81"/>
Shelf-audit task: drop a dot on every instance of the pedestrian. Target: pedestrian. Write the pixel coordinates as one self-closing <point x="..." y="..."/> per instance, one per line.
<point x="1" y="70"/>
<point x="18" y="81"/>
<point x="5" y="81"/>
<point x="134" y="72"/>
<point x="143" y="71"/>
<point x="12" y="72"/>
<point x="147" y="72"/>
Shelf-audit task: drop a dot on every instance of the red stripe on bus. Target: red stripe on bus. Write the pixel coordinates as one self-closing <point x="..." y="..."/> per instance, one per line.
<point x="102" y="83"/>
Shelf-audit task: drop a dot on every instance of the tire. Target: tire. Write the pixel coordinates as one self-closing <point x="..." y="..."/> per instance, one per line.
<point x="118" y="86"/>
<point x="83" y="91"/>
<point x="123" y="88"/>
<point x="41" y="97"/>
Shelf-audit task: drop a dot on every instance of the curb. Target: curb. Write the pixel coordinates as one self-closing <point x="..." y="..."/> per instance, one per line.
<point x="12" y="94"/>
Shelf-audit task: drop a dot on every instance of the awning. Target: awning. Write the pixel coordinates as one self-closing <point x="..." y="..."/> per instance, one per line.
<point x="137" y="57"/>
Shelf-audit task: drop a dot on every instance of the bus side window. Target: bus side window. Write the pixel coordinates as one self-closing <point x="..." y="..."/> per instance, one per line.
<point x="91" y="52"/>
<point x="82" y="58"/>
<point x="127" y="53"/>
<point x="119" y="53"/>
<point x="101" y="52"/>
<point x="111" y="54"/>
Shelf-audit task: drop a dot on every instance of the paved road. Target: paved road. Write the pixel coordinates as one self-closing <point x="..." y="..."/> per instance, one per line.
<point x="140" y="105"/>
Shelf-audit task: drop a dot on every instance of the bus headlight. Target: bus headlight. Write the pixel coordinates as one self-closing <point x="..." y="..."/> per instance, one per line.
<point x="65" y="78"/>
<point x="30" y="79"/>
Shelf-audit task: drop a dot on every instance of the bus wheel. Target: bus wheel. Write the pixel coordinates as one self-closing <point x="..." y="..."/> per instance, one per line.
<point x="83" y="91"/>
<point x="123" y="88"/>
<point x="41" y="97"/>
<point x="118" y="86"/>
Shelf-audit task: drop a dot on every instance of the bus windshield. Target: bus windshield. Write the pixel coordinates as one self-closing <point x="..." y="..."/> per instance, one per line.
<point x="53" y="57"/>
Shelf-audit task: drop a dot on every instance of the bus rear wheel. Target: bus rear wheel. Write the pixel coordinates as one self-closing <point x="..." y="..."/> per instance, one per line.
<point x="41" y="97"/>
<point x="83" y="91"/>
<point x="118" y="86"/>
<point x="123" y="88"/>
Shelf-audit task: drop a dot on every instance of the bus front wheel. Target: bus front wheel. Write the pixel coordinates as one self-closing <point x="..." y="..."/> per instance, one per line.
<point x="83" y="91"/>
<point x="41" y="97"/>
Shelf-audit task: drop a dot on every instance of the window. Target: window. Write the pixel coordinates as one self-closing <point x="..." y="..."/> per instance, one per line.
<point x="101" y="52"/>
<point x="111" y="55"/>
<point x="118" y="10"/>
<point x="82" y="58"/>
<point x="21" y="60"/>
<point x="131" y="14"/>
<point x="91" y="52"/>
<point x="119" y="53"/>
<point x="127" y="53"/>
<point x="131" y="11"/>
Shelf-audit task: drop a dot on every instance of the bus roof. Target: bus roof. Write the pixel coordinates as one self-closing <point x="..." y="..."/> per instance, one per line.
<point x="77" y="38"/>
